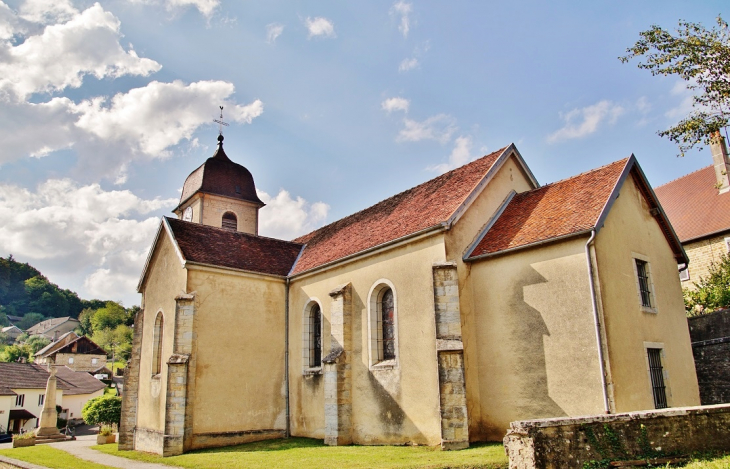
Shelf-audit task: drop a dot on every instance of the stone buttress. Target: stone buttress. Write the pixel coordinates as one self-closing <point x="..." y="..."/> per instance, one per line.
<point x="338" y="371"/>
<point x="130" y="396"/>
<point x="450" y="350"/>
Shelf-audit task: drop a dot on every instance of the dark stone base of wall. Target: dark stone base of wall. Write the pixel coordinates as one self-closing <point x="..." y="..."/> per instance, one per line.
<point x="710" y="334"/>
<point x="570" y="442"/>
<point x="214" y="440"/>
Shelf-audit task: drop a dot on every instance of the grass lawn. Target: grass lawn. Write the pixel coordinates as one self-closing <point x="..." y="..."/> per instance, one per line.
<point x="44" y="455"/>
<point x="300" y="453"/>
<point x="710" y="462"/>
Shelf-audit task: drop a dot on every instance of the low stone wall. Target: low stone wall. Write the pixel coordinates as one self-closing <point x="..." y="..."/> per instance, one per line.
<point x="710" y="334"/>
<point x="571" y="442"/>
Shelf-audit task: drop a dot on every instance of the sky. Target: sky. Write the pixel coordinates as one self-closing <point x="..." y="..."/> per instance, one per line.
<point x="105" y="108"/>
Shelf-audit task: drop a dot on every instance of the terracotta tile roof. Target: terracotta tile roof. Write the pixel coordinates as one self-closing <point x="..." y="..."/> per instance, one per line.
<point x="26" y="376"/>
<point x="78" y="382"/>
<point x="424" y="206"/>
<point x="224" y="248"/>
<point x="694" y="206"/>
<point x="551" y="211"/>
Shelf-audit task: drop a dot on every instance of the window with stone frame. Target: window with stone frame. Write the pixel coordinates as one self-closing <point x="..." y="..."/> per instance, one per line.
<point x="157" y="344"/>
<point x="314" y="336"/>
<point x="229" y="221"/>
<point x="383" y="326"/>
<point x="644" y="283"/>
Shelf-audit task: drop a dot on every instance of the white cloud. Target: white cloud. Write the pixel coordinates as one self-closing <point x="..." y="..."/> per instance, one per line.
<point x="273" y="31"/>
<point x="408" y="64"/>
<point x="395" y="104"/>
<point x="64" y="53"/>
<point x="81" y="233"/>
<point x="643" y="105"/>
<point x="286" y="218"/>
<point x="585" y="121"/>
<point x="440" y="127"/>
<point x="206" y="7"/>
<point x="460" y="155"/>
<point x="686" y="102"/>
<point x="403" y="9"/>
<point x="47" y="11"/>
<point x="108" y="134"/>
<point x="320" y="27"/>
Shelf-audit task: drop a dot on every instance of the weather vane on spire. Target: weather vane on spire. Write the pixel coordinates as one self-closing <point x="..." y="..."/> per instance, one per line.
<point x="220" y="122"/>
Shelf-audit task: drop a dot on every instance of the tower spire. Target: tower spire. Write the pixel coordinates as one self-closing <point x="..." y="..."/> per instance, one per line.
<point x="220" y="127"/>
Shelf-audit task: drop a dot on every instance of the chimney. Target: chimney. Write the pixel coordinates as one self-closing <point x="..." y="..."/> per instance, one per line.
<point x="721" y="162"/>
<point x="56" y="333"/>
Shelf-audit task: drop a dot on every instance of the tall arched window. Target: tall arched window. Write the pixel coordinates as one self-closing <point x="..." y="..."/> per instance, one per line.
<point x="229" y="221"/>
<point x="383" y="324"/>
<point x="157" y="344"/>
<point x="387" y="319"/>
<point x="315" y="336"/>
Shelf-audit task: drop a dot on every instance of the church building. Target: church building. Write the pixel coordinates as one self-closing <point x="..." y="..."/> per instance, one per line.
<point x="434" y="317"/>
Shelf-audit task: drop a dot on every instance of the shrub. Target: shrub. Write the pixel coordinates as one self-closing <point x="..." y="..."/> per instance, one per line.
<point x="106" y="409"/>
<point x="24" y="436"/>
<point x="712" y="292"/>
<point x="106" y="430"/>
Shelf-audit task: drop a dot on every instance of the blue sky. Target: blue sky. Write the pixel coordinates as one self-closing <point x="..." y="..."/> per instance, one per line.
<point x="106" y="107"/>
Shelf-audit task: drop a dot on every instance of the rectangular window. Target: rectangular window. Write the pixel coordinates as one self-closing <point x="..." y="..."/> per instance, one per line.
<point x="684" y="275"/>
<point x="41" y="399"/>
<point x="642" y="272"/>
<point x="656" y="371"/>
<point x="19" y="400"/>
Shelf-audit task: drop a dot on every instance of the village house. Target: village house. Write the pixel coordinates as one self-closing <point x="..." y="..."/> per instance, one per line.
<point x="12" y="333"/>
<point x="698" y="206"/>
<point x="23" y="389"/>
<point x="436" y="316"/>
<point x="79" y="353"/>
<point x="52" y="328"/>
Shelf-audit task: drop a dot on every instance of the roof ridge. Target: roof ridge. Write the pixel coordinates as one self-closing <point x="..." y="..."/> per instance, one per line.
<point x="584" y="173"/>
<point x="352" y="215"/>
<point x="682" y="177"/>
<point x="242" y="233"/>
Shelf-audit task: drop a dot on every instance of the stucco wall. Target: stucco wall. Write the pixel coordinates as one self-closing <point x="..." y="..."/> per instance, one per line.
<point x="464" y="232"/>
<point x="6" y="403"/>
<point x="389" y="406"/>
<point x="166" y="279"/>
<point x="535" y="354"/>
<point x="239" y="350"/>
<point x="630" y="230"/>
<point x="701" y="254"/>
<point x="215" y="206"/>
<point x="31" y="404"/>
<point x="74" y="403"/>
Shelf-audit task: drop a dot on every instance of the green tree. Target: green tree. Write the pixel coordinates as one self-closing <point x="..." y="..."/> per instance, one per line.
<point x="45" y="297"/>
<point x="12" y="353"/>
<point x="711" y="292"/>
<point x="106" y="409"/>
<point x="36" y="342"/>
<point x="117" y="341"/>
<point x="30" y="320"/>
<point x="85" y="327"/>
<point x="109" y="317"/>
<point x="701" y="57"/>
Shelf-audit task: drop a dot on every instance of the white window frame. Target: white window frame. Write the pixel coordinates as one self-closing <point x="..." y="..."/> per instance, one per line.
<point x="684" y="275"/>
<point x="650" y="279"/>
<point x="375" y="326"/>
<point x="94" y="361"/>
<point x="20" y="400"/>
<point x="665" y="371"/>
<point x="70" y="360"/>
<point x="306" y="369"/>
<point x="41" y="399"/>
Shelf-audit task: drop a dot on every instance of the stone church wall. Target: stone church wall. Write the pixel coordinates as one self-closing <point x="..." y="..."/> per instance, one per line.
<point x="239" y="347"/>
<point x="631" y="232"/>
<point x="393" y="404"/>
<point x="702" y="254"/>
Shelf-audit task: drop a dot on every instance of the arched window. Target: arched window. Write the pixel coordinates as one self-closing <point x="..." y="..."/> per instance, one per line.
<point x="383" y="313"/>
<point x="229" y="221"/>
<point x="387" y="319"/>
<point x="157" y="344"/>
<point x="315" y="336"/>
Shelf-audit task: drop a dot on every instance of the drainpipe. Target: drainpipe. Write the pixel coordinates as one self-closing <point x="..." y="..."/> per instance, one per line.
<point x="286" y="356"/>
<point x="597" y="323"/>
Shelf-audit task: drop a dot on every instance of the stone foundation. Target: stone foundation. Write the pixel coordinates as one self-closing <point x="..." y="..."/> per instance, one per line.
<point x="214" y="440"/>
<point x="570" y="442"/>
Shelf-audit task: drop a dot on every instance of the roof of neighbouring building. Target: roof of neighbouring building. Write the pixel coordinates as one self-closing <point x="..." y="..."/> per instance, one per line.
<point x="20" y="414"/>
<point x="49" y="324"/>
<point x="71" y="343"/>
<point x="569" y="207"/>
<point x="219" y="247"/>
<point x="6" y="391"/>
<point x="221" y="176"/>
<point x="79" y="382"/>
<point x="694" y="206"/>
<point x="419" y="208"/>
<point x="26" y="376"/>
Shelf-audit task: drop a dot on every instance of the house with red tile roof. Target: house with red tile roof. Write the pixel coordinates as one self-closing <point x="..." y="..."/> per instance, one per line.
<point x="435" y="317"/>
<point x="698" y="205"/>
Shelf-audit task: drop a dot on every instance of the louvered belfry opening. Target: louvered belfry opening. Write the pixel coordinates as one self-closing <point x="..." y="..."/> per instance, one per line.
<point x="229" y="221"/>
<point x="656" y="371"/>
